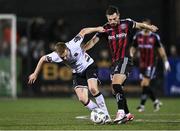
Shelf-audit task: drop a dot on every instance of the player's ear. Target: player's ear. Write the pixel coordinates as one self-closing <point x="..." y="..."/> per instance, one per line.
<point x="119" y="16"/>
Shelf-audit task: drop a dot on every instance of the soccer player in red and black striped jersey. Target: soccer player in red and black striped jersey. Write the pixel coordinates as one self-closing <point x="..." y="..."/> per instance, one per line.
<point x="117" y="33"/>
<point x="148" y="44"/>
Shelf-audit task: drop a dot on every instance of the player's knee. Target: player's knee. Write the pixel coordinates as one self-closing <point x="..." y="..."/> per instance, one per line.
<point x="145" y="82"/>
<point x="118" y="79"/>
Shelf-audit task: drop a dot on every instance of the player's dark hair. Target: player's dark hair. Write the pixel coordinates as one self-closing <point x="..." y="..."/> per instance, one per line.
<point x="111" y="10"/>
<point x="60" y="47"/>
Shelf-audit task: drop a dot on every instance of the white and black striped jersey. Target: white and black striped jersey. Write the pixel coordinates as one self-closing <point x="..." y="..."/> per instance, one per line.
<point x="77" y="58"/>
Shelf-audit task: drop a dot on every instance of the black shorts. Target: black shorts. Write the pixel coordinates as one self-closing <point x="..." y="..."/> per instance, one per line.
<point x="122" y="66"/>
<point x="80" y="79"/>
<point x="148" y="72"/>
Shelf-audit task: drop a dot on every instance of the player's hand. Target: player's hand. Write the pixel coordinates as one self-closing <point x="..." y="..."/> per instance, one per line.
<point x="167" y="66"/>
<point x="32" y="78"/>
<point x="100" y="29"/>
<point x="153" y="28"/>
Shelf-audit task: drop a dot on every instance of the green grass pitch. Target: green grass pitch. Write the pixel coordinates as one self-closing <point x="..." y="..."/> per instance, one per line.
<point x="62" y="113"/>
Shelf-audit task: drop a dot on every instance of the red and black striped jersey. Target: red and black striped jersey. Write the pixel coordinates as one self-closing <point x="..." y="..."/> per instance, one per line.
<point x="118" y="38"/>
<point x="147" y="44"/>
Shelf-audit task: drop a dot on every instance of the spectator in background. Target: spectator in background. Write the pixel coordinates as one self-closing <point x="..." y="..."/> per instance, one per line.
<point x="173" y="51"/>
<point x="104" y="59"/>
<point x="22" y="51"/>
<point x="6" y="37"/>
<point x="148" y="44"/>
<point x="38" y="29"/>
<point x="38" y="38"/>
<point x="59" y="30"/>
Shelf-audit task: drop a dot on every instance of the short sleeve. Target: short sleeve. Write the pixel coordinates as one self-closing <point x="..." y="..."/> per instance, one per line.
<point x="131" y="23"/>
<point x="158" y="41"/>
<point x="75" y="42"/>
<point x="53" y="57"/>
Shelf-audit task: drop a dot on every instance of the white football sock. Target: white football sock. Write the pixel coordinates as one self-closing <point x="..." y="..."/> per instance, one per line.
<point x="91" y="105"/>
<point x="121" y="111"/>
<point x="156" y="101"/>
<point x="101" y="103"/>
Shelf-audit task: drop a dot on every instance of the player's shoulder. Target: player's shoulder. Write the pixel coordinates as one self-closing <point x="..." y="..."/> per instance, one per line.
<point x="155" y="35"/>
<point x="126" y="20"/>
<point x="52" y="57"/>
<point x="76" y="39"/>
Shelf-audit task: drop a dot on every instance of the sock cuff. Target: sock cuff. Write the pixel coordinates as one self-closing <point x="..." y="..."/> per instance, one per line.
<point x="98" y="94"/>
<point x="145" y="86"/>
<point x="87" y="102"/>
<point x="115" y="85"/>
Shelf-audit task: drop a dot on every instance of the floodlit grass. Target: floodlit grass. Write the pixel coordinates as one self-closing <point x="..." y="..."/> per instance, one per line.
<point x="61" y="113"/>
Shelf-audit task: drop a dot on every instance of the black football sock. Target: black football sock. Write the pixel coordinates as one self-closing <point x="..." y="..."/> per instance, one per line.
<point x="101" y="102"/>
<point x="151" y="94"/>
<point x="126" y="109"/>
<point x="119" y="95"/>
<point x="144" y="95"/>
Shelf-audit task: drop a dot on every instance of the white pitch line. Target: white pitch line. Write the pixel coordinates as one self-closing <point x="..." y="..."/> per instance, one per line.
<point x="143" y="114"/>
<point x="157" y="121"/>
<point x="143" y="120"/>
<point x="153" y="114"/>
<point x="82" y="117"/>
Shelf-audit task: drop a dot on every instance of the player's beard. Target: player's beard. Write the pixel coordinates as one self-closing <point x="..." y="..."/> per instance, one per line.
<point x="113" y="24"/>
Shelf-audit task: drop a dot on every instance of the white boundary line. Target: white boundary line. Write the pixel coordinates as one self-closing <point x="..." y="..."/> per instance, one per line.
<point x="154" y="114"/>
<point x="85" y="117"/>
<point x="82" y="117"/>
<point x="157" y="121"/>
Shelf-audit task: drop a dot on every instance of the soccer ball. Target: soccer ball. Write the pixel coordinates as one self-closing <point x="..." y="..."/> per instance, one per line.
<point x="98" y="116"/>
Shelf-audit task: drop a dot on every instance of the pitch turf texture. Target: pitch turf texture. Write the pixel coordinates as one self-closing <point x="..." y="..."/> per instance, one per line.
<point x="62" y="114"/>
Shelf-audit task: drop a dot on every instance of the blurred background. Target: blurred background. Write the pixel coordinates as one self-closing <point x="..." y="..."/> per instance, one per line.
<point x="42" y="23"/>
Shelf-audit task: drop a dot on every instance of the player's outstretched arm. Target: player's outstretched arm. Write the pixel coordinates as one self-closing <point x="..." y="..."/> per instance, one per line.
<point x="163" y="55"/>
<point x="152" y="28"/>
<point x="89" y="30"/>
<point x="91" y="43"/>
<point x="33" y="76"/>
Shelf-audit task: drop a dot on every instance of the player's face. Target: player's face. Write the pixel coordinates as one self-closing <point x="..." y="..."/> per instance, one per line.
<point x="64" y="55"/>
<point x="113" y="19"/>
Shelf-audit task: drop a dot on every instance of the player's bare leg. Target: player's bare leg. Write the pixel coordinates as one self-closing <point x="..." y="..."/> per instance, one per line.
<point x="82" y="94"/>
